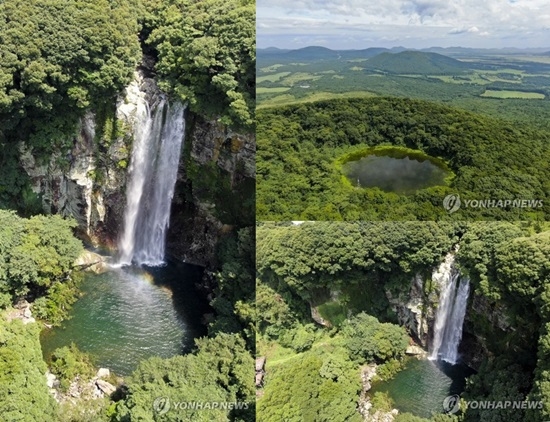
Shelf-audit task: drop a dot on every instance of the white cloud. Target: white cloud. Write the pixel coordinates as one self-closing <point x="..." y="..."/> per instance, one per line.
<point x="424" y="22"/>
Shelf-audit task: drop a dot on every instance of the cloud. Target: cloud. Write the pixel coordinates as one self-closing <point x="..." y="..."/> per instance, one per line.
<point x="471" y="30"/>
<point x="430" y="22"/>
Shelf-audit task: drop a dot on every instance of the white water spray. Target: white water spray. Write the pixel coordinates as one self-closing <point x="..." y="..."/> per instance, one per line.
<point x="158" y="136"/>
<point x="451" y="311"/>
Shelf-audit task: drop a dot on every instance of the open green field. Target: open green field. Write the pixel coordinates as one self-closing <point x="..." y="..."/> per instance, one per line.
<point x="276" y="90"/>
<point x="298" y="77"/>
<point x="272" y="77"/>
<point x="288" y="99"/>
<point x="513" y="94"/>
<point x="498" y="86"/>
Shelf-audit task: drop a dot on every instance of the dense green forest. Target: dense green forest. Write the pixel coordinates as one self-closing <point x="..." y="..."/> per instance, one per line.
<point x="300" y="148"/>
<point x="346" y="273"/>
<point x="59" y="60"/>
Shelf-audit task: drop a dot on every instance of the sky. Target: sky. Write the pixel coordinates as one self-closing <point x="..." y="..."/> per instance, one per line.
<point x="357" y="24"/>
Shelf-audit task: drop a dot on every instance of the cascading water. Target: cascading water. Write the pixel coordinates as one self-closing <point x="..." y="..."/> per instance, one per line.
<point x="451" y="311"/>
<point x="158" y="136"/>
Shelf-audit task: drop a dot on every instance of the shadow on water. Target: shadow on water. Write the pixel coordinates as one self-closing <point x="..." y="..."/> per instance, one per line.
<point x="180" y="279"/>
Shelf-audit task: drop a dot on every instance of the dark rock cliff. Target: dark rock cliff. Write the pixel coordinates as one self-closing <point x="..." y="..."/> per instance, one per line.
<point x="214" y="192"/>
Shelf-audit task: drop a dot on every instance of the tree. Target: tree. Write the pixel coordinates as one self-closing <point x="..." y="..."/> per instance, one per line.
<point x="220" y="371"/>
<point x="24" y="395"/>
<point x="206" y="55"/>
<point x="368" y="340"/>
<point x="36" y="259"/>
<point x="311" y="387"/>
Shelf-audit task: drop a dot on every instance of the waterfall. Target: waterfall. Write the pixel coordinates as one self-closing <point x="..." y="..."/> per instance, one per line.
<point x="451" y="311"/>
<point x="158" y="135"/>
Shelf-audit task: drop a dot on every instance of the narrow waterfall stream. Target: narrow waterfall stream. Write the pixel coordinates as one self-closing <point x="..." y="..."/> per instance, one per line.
<point x="152" y="175"/>
<point x="451" y="311"/>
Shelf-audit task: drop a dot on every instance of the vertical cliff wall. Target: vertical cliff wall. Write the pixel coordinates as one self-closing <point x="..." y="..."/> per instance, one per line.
<point x="214" y="193"/>
<point x="88" y="182"/>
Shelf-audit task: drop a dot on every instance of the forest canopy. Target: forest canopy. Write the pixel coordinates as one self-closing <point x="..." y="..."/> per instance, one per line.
<point x="326" y="305"/>
<point x="207" y="55"/>
<point x="58" y="57"/>
<point x="299" y="148"/>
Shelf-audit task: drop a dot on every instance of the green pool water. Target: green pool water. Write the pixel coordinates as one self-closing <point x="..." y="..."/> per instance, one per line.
<point x="422" y="385"/>
<point x="395" y="172"/>
<point x="129" y="314"/>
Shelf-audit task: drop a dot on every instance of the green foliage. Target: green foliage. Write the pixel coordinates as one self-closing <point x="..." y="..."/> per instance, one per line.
<point x="68" y="362"/>
<point x="299" y="179"/>
<point x="306" y="263"/>
<point x="509" y="264"/>
<point x="221" y="370"/>
<point x="389" y="369"/>
<point x="61" y="55"/>
<point x="413" y="75"/>
<point x="477" y="254"/>
<point x="312" y="387"/>
<point x="382" y="402"/>
<point x="274" y="314"/>
<point x="409" y="417"/>
<point x="58" y="59"/>
<point x="56" y="305"/>
<point x="369" y="340"/>
<point x="334" y="312"/>
<point x="234" y="299"/>
<point x="499" y="380"/>
<point x="299" y="338"/>
<point x="206" y="55"/>
<point x="24" y="395"/>
<point x="36" y="255"/>
<point x="415" y="62"/>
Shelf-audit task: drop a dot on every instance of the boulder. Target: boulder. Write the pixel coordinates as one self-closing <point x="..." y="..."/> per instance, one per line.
<point x="27" y="312"/>
<point x="50" y="379"/>
<point x="260" y="363"/>
<point x="90" y="261"/>
<point x="415" y="350"/>
<point x="106" y="387"/>
<point x="103" y="373"/>
<point x="28" y="320"/>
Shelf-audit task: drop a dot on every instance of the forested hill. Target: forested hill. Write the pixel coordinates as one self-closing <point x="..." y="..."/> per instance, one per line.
<point x="416" y="62"/>
<point x="298" y="149"/>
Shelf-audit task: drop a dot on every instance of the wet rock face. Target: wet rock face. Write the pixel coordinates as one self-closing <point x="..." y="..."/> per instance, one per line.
<point x="88" y="183"/>
<point x="415" y="310"/>
<point x="208" y="202"/>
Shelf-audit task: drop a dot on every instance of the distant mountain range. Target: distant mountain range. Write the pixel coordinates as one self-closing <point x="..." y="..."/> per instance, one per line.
<point x="315" y="53"/>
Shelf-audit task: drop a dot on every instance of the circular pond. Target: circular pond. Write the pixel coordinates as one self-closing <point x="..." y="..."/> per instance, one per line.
<point x="395" y="170"/>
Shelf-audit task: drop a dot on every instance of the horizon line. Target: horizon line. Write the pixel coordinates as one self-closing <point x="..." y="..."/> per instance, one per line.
<point x="407" y="48"/>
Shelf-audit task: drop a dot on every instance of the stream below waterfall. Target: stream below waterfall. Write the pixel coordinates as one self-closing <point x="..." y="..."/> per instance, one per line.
<point x="129" y="314"/>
